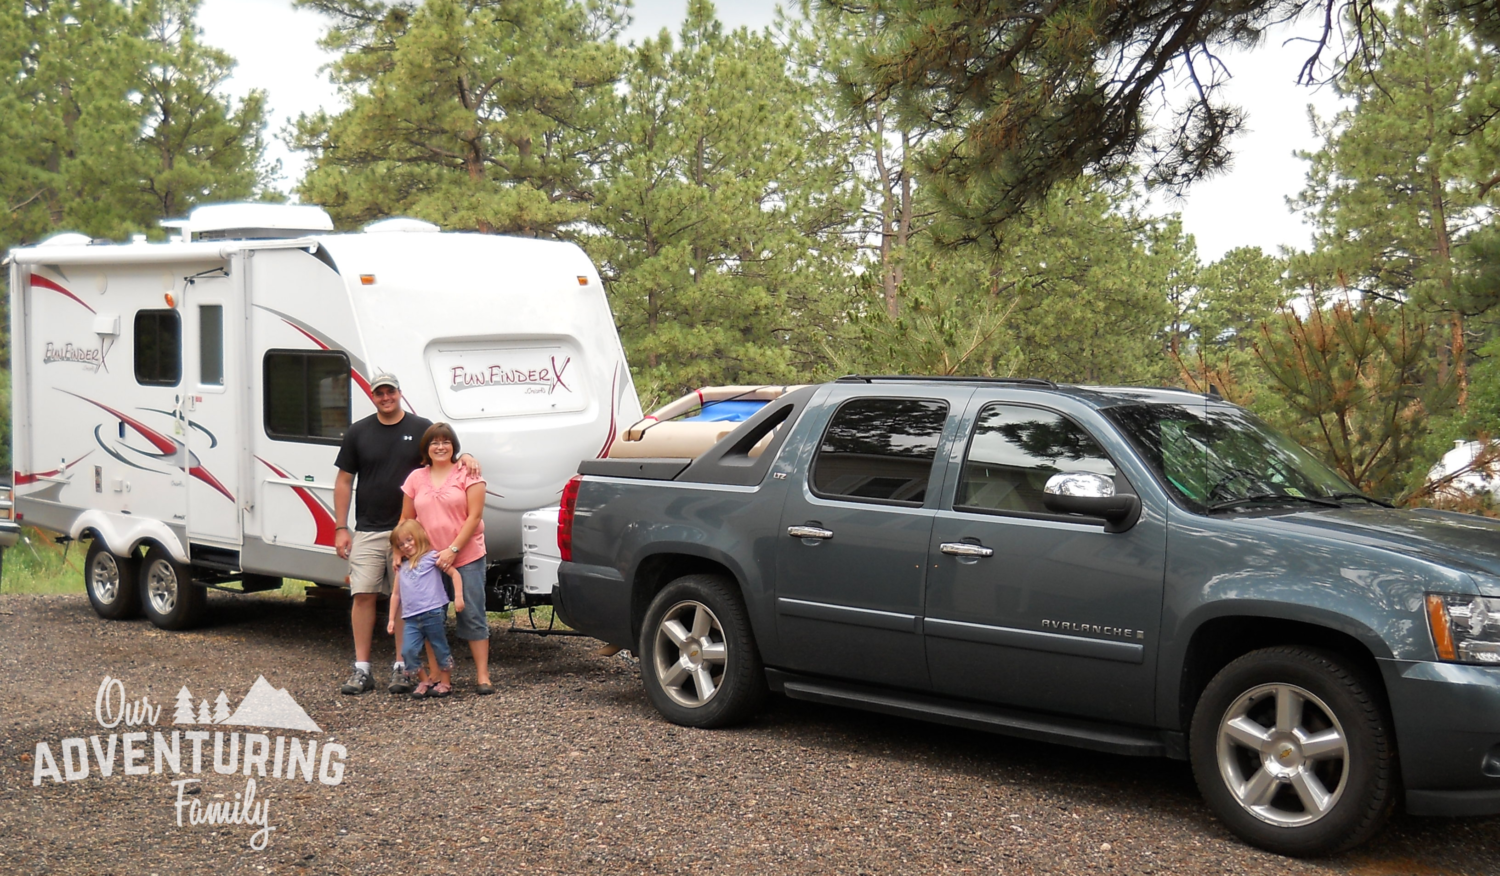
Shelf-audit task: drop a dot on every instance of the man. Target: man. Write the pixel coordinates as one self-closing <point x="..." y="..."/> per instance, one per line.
<point x="382" y="450"/>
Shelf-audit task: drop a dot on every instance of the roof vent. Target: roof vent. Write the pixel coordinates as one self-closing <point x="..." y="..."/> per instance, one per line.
<point x="67" y="238"/>
<point x="251" y="221"/>
<point x="400" y="224"/>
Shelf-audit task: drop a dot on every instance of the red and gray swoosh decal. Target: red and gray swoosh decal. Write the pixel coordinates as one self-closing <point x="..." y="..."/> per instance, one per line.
<point x="322" y="517"/>
<point x="24" y="478"/>
<point x="168" y="447"/>
<point x="613" y="404"/>
<point x="38" y="281"/>
<point x="357" y="367"/>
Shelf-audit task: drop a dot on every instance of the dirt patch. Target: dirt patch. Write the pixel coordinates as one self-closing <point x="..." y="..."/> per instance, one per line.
<point x="567" y="769"/>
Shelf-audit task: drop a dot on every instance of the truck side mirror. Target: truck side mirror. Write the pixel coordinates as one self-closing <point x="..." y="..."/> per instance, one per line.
<point x="1092" y="495"/>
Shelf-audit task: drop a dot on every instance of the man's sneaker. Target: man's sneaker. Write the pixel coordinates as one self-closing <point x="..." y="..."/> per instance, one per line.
<point x="358" y="683"/>
<point x="400" y="683"/>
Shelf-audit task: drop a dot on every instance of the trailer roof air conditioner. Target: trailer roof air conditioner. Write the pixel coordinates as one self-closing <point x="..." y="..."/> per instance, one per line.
<point x="251" y="222"/>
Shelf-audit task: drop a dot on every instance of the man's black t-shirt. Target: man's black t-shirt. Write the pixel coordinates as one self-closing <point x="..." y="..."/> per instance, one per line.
<point x="381" y="457"/>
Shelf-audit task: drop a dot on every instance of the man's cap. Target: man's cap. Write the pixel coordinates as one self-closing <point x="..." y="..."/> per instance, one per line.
<point x="385" y="378"/>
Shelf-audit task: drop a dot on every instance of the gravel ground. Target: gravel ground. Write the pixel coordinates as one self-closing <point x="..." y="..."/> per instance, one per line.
<point x="567" y="769"/>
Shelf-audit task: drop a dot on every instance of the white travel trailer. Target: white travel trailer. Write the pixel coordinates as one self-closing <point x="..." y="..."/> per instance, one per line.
<point x="181" y="403"/>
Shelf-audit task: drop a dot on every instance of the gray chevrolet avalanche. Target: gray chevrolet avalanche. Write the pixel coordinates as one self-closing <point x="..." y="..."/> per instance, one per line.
<point x="1141" y="571"/>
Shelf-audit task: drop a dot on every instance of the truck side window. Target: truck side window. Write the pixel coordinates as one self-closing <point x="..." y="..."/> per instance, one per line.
<point x="307" y="395"/>
<point x="1014" y="450"/>
<point x="879" y="450"/>
<point x="158" y="348"/>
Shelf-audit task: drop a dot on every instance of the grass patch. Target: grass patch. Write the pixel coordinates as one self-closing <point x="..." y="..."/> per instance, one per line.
<point x="38" y="564"/>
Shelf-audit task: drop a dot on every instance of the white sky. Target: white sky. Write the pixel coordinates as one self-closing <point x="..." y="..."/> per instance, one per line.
<point x="276" y="47"/>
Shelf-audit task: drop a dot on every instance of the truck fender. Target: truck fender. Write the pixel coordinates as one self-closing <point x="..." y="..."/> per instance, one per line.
<point x="1174" y="652"/>
<point x="123" y="534"/>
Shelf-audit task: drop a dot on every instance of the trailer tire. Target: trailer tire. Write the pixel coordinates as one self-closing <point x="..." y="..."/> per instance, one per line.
<point x="698" y="656"/>
<point x="111" y="582"/>
<point x="169" y="597"/>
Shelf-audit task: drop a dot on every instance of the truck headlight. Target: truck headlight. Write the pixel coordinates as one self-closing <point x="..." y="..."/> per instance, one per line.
<point x="1465" y="629"/>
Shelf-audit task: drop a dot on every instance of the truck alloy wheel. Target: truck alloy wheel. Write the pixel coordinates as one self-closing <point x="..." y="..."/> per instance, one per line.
<point x="1291" y="748"/>
<point x="168" y="595"/>
<point x="110" y="582"/>
<point x="698" y="657"/>
<point x="689" y="654"/>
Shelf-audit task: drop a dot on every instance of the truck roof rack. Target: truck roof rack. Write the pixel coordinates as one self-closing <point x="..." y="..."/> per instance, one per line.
<point x="909" y="378"/>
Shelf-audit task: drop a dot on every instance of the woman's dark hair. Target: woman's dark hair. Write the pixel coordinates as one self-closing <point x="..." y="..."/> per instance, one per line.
<point x="434" y="432"/>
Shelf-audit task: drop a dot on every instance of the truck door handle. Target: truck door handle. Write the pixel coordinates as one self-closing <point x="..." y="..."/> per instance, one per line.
<point x="965" y="549"/>
<point x="808" y="532"/>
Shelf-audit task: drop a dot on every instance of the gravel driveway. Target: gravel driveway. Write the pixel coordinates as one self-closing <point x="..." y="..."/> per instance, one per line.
<point x="568" y="770"/>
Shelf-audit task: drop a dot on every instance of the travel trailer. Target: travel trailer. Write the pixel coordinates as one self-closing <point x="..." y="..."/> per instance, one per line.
<point x="180" y="404"/>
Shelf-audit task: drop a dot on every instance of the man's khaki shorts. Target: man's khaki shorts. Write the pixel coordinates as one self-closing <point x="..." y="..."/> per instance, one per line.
<point x="370" y="562"/>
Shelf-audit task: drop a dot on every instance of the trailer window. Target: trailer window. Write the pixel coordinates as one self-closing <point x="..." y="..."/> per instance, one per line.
<point x="307" y="395"/>
<point x="158" y="348"/>
<point x="211" y="344"/>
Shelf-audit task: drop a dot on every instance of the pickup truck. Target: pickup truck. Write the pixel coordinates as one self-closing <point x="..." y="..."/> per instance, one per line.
<point x="1142" y="571"/>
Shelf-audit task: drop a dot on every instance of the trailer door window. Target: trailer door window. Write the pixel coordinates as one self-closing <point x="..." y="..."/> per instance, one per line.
<point x="307" y="396"/>
<point x="211" y="344"/>
<point x="158" y="348"/>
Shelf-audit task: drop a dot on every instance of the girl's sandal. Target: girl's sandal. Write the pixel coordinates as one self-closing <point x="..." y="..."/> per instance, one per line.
<point x="484" y="688"/>
<point x="424" y="690"/>
<point x="441" y="689"/>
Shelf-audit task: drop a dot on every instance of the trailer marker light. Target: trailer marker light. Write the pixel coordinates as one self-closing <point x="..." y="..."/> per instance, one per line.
<point x="583" y="281"/>
<point x="171" y="302"/>
<point x="367" y="279"/>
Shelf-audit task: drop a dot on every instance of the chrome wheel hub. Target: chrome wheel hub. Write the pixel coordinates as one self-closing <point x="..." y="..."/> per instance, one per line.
<point x="161" y="587"/>
<point x="104" y="577"/>
<point x="1283" y="754"/>
<point x="689" y="654"/>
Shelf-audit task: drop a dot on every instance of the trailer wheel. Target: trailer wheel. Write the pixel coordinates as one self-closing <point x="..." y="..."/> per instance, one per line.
<point x="169" y="597"/>
<point x="110" y="582"/>
<point x="698" y="654"/>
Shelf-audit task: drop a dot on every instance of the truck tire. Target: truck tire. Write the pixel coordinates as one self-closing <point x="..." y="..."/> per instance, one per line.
<point x="111" y="582"/>
<point x="169" y="597"/>
<point x="698" y="655"/>
<point x="1292" y="749"/>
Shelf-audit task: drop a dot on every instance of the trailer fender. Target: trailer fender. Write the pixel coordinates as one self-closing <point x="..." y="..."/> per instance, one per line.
<point x="122" y="534"/>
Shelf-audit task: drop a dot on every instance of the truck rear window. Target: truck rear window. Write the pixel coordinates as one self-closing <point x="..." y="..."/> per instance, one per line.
<point x="879" y="450"/>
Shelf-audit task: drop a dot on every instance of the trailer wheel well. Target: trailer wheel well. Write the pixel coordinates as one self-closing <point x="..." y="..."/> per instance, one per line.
<point x="89" y="533"/>
<point x="657" y="572"/>
<point x="1220" y="641"/>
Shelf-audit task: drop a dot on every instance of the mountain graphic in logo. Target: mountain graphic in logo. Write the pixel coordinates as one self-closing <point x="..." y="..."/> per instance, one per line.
<point x="266" y="706"/>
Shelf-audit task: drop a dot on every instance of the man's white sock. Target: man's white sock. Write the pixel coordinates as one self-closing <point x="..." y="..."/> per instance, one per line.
<point x="362" y="667"/>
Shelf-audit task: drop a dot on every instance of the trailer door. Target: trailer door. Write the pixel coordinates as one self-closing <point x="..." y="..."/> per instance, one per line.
<point x="210" y="403"/>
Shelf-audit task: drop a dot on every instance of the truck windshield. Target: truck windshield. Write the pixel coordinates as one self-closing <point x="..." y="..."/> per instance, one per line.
<point x="1221" y="459"/>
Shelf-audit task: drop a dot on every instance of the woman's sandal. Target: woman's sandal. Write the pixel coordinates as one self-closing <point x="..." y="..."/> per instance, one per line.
<point x="441" y="689"/>
<point x="423" y="690"/>
<point x="484" y="688"/>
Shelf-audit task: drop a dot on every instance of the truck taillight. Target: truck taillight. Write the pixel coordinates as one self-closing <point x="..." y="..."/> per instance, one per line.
<point x="565" y="518"/>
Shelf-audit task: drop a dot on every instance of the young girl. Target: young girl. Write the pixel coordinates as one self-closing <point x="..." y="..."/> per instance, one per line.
<point x="419" y="597"/>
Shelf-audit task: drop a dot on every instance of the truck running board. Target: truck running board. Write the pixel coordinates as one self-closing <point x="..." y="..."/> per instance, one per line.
<point x="1045" y="728"/>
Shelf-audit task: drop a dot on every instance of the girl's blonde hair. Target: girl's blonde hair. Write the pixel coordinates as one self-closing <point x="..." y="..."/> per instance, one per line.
<point x="414" y="530"/>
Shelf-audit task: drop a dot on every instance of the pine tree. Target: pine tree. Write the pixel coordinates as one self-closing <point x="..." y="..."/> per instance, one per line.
<point x="478" y="115"/>
<point x="723" y="206"/>
<point x="221" y="708"/>
<point x="204" y="717"/>
<point x="184" y="713"/>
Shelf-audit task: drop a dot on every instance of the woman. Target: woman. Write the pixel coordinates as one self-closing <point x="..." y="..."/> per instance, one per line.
<point x="449" y="503"/>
